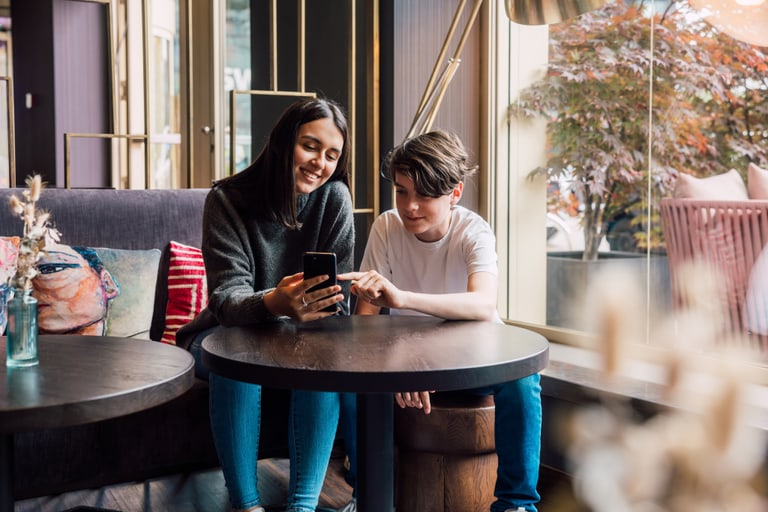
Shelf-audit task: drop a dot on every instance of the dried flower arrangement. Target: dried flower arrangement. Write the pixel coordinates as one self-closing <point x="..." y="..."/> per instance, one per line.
<point x="36" y="235"/>
<point x="699" y="454"/>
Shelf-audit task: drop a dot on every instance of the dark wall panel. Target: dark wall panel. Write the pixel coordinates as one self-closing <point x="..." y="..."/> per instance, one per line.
<point x="328" y="49"/>
<point x="33" y="75"/>
<point x="61" y="59"/>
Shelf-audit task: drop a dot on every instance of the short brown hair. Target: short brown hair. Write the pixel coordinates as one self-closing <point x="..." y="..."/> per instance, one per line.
<point x="436" y="162"/>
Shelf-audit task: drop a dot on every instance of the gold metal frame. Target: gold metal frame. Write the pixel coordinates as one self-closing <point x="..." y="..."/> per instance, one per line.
<point x="351" y="93"/>
<point x="67" y="148"/>
<point x="185" y="66"/>
<point x="273" y="42"/>
<point x="372" y="73"/>
<point x="274" y="89"/>
<point x="145" y="59"/>
<point x="233" y="114"/>
<point x="11" y="131"/>
<point x="373" y="114"/>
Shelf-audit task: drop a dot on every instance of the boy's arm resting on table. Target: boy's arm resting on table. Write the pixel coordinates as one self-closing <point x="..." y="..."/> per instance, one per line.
<point x="477" y="303"/>
<point x="374" y="292"/>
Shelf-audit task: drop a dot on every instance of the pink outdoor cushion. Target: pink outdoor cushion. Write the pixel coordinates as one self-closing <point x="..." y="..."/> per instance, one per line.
<point x="757" y="182"/>
<point x="728" y="186"/>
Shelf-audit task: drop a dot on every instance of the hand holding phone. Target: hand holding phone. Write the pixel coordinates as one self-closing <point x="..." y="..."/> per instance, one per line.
<point x="318" y="264"/>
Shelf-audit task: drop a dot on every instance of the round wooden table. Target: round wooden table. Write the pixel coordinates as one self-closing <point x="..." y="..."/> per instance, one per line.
<point x="83" y="379"/>
<point x="375" y="356"/>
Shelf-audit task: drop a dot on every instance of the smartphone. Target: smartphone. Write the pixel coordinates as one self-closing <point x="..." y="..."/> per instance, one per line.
<point x="321" y="263"/>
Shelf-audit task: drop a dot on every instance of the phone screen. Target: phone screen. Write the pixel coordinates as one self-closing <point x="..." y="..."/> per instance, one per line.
<point x="321" y="263"/>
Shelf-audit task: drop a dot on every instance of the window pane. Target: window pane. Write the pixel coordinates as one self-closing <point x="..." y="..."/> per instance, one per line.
<point x="640" y="99"/>
<point x="164" y="95"/>
<point x="595" y="97"/>
<point x="237" y="76"/>
<point x="717" y="97"/>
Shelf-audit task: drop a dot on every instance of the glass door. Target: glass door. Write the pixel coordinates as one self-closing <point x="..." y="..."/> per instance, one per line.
<point x="167" y="68"/>
<point x="204" y="137"/>
<point x="164" y="119"/>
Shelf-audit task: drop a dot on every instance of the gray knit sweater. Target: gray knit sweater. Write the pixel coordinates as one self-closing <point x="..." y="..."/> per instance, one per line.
<point x="246" y="256"/>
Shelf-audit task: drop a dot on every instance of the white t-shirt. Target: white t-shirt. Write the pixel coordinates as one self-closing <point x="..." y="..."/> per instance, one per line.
<point x="443" y="266"/>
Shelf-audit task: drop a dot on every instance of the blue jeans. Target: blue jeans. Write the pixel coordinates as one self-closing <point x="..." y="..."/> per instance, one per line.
<point x="517" y="435"/>
<point x="235" y="409"/>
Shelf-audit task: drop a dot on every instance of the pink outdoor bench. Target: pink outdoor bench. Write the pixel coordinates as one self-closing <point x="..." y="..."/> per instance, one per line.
<point x="730" y="237"/>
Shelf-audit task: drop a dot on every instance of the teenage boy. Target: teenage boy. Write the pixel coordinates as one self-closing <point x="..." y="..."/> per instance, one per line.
<point x="430" y="256"/>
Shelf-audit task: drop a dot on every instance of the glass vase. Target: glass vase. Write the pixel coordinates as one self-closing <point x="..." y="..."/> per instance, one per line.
<point x="21" y="339"/>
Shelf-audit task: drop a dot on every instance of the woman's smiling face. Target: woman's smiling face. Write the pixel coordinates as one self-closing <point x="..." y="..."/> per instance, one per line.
<point x="318" y="147"/>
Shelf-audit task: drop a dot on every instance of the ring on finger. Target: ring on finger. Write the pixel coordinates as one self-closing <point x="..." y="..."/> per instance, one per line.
<point x="304" y="301"/>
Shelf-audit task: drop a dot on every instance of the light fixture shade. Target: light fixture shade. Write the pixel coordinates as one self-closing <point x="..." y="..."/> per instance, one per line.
<point x="741" y="19"/>
<point x="547" y="12"/>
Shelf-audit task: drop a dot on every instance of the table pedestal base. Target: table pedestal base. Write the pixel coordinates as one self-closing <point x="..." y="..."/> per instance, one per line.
<point x="375" y="452"/>
<point x="6" y="472"/>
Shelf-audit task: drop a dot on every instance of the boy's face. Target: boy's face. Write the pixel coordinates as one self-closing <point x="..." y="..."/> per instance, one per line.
<point x="428" y="218"/>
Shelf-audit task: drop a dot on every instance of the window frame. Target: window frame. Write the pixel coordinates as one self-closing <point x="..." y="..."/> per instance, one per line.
<point x="515" y="204"/>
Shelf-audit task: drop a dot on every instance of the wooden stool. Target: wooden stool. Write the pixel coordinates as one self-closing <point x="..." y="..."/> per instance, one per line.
<point x="446" y="460"/>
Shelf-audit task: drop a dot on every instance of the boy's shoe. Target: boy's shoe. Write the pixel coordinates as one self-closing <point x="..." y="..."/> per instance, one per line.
<point x="349" y="507"/>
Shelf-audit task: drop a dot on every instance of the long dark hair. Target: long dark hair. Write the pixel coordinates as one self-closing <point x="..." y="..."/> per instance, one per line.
<point x="270" y="179"/>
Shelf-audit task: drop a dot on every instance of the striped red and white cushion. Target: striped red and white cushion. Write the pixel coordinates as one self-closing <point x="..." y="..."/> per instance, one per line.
<point x="187" y="288"/>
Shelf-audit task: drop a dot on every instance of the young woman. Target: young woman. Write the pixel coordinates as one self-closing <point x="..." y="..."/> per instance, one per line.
<point x="257" y="224"/>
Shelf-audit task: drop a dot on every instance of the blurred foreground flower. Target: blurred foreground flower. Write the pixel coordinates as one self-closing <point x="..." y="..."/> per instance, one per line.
<point x="700" y="455"/>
